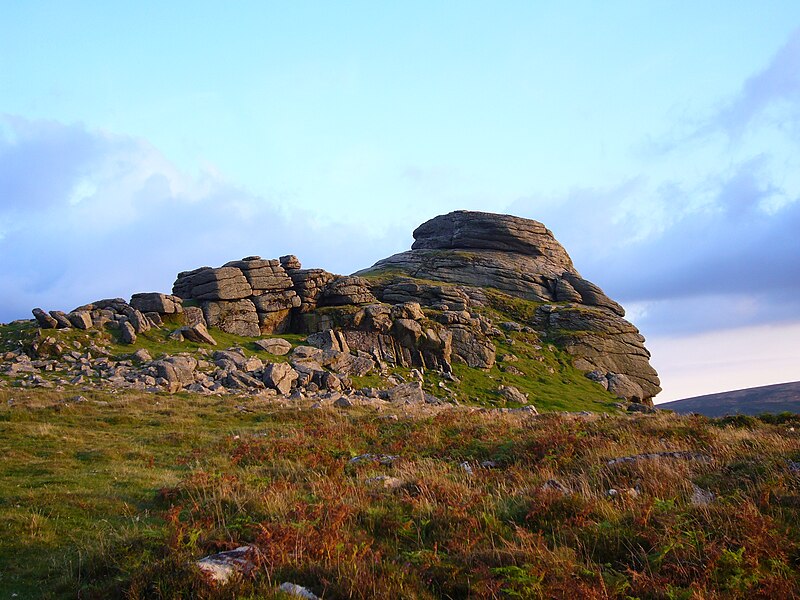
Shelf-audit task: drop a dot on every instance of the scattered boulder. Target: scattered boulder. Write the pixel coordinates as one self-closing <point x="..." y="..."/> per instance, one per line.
<point x="44" y="320"/>
<point x="221" y="567"/>
<point x="343" y="402"/>
<point x="196" y="333"/>
<point x="512" y="394"/>
<point x="80" y="319"/>
<point x="142" y="356"/>
<point x="297" y="590"/>
<point x="276" y="346"/>
<point x="280" y="376"/>
<point x="61" y="318"/>
<point x="176" y="371"/>
<point x="127" y="333"/>
<point x="238" y="317"/>
<point x="406" y="393"/>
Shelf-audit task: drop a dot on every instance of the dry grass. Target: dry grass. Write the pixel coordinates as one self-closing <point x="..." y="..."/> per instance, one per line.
<point x="141" y="487"/>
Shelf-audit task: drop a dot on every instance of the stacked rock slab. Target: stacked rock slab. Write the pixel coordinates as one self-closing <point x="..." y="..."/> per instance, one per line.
<point x="272" y="292"/>
<point x="522" y="258"/>
<point x="253" y="296"/>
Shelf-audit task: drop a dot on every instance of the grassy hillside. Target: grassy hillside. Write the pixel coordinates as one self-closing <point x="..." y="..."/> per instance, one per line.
<point x="116" y="495"/>
<point x="781" y="397"/>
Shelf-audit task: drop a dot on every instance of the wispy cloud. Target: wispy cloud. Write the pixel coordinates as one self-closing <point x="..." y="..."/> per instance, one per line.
<point x="87" y="214"/>
<point x="706" y="250"/>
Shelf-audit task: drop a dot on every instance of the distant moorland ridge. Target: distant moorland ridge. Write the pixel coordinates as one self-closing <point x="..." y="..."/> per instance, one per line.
<point x="777" y="398"/>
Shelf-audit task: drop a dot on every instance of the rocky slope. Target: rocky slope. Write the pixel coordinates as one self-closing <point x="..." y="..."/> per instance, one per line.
<point x="494" y="297"/>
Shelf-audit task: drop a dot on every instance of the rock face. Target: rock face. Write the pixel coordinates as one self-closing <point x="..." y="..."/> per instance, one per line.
<point x="472" y="251"/>
<point x="254" y="296"/>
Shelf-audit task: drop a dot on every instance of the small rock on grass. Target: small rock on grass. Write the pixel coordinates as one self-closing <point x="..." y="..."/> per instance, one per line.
<point x="220" y="567"/>
<point x="297" y="590"/>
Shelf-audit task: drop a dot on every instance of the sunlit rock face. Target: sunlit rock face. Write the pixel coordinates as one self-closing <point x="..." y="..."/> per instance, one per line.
<point x="476" y="251"/>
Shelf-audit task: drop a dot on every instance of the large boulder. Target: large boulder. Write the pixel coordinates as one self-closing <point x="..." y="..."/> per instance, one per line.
<point x="238" y="317"/>
<point x="205" y="283"/>
<point x="346" y="290"/>
<point x="176" y="371"/>
<point x="280" y="376"/>
<point x="197" y="333"/>
<point x="276" y="346"/>
<point x="162" y="304"/>
<point x="44" y="320"/>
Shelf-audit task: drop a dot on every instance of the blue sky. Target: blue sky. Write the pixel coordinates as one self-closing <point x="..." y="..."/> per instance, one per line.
<point x="658" y="140"/>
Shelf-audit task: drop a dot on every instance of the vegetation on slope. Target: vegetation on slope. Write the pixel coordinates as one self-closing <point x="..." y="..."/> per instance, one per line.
<point x="117" y="495"/>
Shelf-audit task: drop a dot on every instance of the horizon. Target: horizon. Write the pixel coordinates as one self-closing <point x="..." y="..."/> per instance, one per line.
<point x="659" y="144"/>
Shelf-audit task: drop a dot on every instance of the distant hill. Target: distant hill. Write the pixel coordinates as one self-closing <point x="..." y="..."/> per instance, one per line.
<point x="776" y="398"/>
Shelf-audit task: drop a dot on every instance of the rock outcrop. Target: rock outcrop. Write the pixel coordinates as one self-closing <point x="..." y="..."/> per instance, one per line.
<point x="473" y="251"/>
<point x="450" y="299"/>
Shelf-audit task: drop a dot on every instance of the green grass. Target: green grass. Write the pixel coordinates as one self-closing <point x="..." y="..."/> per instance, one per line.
<point x="116" y="496"/>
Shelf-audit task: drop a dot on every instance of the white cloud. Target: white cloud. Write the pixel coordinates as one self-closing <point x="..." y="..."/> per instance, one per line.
<point x="88" y="214"/>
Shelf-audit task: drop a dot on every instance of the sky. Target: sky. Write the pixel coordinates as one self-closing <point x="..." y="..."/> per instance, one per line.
<point x="657" y="140"/>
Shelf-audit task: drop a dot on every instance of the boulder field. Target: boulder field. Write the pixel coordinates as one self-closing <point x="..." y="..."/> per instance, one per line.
<point x="468" y="279"/>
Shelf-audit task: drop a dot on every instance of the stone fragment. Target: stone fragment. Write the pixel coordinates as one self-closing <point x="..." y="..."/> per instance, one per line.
<point x="242" y="381"/>
<point x="276" y="346"/>
<point x="306" y="353"/>
<point x="638" y="407"/>
<point x="232" y="355"/>
<point x="280" y="376"/>
<point x="554" y="485"/>
<point x="238" y="317"/>
<point x="127" y="332"/>
<point x="136" y="318"/>
<point x="512" y="394"/>
<point x="406" y="393"/>
<point x="385" y="481"/>
<point x="290" y="261"/>
<point x="142" y="356"/>
<point x="598" y="377"/>
<point x="700" y="496"/>
<point x="44" y="320"/>
<point x="156" y="302"/>
<point x="343" y="402"/>
<point x="221" y="567"/>
<point x="177" y="371"/>
<point x="196" y="333"/>
<point x="80" y="319"/>
<point x="61" y="318"/>
<point x="298" y="591"/>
